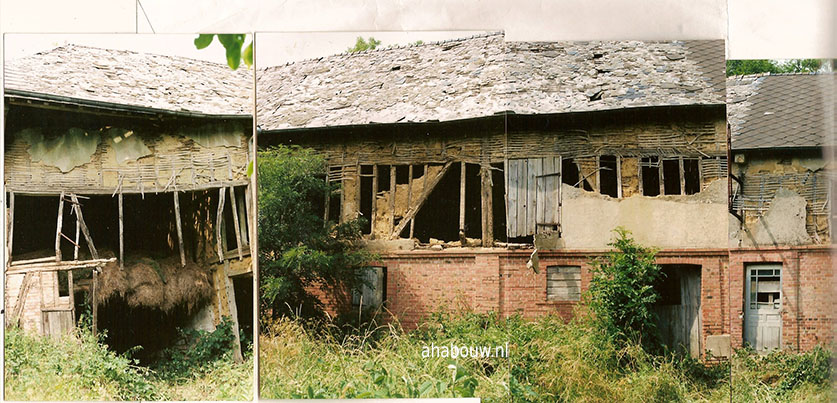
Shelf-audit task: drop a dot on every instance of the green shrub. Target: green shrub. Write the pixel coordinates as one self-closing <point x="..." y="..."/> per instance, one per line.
<point x="297" y="248"/>
<point x="622" y="294"/>
<point x="73" y="367"/>
<point x="202" y="349"/>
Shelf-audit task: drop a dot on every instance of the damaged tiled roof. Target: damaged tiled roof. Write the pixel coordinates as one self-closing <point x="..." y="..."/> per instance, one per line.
<point x="485" y="75"/>
<point x="120" y="77"/>
<point x="781" y="110"/>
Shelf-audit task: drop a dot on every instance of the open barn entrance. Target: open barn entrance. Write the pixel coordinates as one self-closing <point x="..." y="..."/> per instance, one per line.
<point x="678" y="308"/>
<point x="143" y="290"/>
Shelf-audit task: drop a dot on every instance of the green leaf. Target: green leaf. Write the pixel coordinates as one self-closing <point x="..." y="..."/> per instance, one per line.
<point x="248" y="55"/>
<point x="203" y="40"/>
<point x="250" y="169"/>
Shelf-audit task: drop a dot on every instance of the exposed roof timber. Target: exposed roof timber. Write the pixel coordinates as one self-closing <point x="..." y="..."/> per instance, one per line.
<point x="50" y="101"/>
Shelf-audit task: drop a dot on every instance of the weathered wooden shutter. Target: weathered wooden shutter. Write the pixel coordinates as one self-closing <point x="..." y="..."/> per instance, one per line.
<point x="533" y="187"/>
<point x="563" y="283"/>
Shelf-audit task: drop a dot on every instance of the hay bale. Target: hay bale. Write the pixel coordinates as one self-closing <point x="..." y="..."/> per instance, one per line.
<point x="160" y="284"/>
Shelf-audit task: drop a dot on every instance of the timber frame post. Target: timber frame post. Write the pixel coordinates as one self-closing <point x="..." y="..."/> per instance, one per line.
<point x="179" y="228"/>
<point x="487" y="205"/>
<point x="462" y="198"/>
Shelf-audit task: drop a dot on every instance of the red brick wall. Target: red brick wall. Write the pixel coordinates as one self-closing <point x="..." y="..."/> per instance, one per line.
<point x="421" y="282"/>
<point x="807" y="294"/>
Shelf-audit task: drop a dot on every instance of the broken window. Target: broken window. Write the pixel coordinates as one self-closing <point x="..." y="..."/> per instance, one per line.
<point x="63" y="283"/>
<point x="569" y="172"/>
<point x="679" y="176"/>
<point x="372" y="292"/>
<point x="691" y="175"/>
<point x="366" y="182"/>
<point x="650" y="175"/>
<point x="608" y="176"/>
<point x="563" y="283"/>
<point x="765" y="288"/>
<point x="236" y="213"/>
<point x="671" y="177"/>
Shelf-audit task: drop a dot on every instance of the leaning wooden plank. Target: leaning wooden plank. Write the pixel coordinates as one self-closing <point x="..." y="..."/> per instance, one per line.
<point x="230" y="291"/>
<point x="218" y="220"/>
<point x="84" y="230"/>
<point x="28" y="279"/>
<point x="58" y="266"/>
<point x="411" y="214"/>
<point x="78" y="235"/>
<point x="179" y="228"/>
<point x="121" y="235"/>
<point x="234" y="205"/>
<point x="38" y="260"/>
<point x="58" y="227"/>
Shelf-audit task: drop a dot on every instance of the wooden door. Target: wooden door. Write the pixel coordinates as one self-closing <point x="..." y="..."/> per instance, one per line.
<point x="763" y="307"/>
<point x="678" y="311"/>
<point x="533" y="196"/>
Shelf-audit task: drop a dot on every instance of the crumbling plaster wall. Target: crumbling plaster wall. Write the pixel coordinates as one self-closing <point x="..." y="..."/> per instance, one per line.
<point x="784" y="200"/>
<point x="588" y="219"/>
<point x="172" y="154"/>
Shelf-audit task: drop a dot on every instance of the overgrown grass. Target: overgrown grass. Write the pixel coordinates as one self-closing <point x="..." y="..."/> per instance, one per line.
<point x="781" y="376"/>
<point x="549" y="361"/>
<point x="78" y="367"/>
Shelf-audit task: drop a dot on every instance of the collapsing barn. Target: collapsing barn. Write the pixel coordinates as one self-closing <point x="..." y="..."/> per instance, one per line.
<point x="127" y="194"/>
<point x="781" y="270"/>
<point x="471" y="158"/>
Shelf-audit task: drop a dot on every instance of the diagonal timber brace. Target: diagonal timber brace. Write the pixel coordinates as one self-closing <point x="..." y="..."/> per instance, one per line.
<point x="411" y="214"/>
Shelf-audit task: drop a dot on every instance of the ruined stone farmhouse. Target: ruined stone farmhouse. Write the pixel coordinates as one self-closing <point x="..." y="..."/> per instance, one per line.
<point x="492" y="172"/>
<point x="127" y="194"/>
<point x="781" y="273"/>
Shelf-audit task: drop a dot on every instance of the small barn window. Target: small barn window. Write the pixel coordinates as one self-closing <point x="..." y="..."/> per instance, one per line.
<point x="563" y="283"/>
<point x="236" y="214"/>
<point x="608" y="176"/>
<point x="650" y="175"/>
<point x="373" y="292"/>
<point x="691" y="176"/>
<point x="569" y="172"/>
<point x="671" y="177"/>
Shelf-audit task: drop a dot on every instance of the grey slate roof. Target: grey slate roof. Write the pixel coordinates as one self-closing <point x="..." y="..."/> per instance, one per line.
<point x="168" y="83"/>
<point x="485" y="75"/>
<point x="781" y="110"/>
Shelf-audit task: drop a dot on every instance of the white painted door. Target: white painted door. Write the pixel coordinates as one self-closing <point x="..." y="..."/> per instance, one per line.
<point x="763" y="306"/>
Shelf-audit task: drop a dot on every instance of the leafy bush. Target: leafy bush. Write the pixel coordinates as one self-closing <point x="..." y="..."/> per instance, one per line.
<point x="73" y="367"/>
<point x="201" y="349"/>
<point x="621" y="293"/>
<point x="296" y="248"/>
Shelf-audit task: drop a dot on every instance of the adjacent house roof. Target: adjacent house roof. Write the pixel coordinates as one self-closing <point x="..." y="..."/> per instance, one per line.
<point x="95" y="76"/>
<point x="485" y="75"/>
<point x="781" y="110"/>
